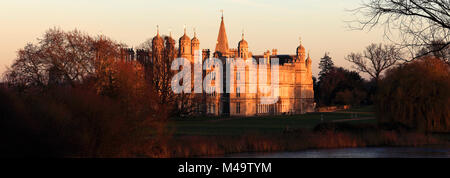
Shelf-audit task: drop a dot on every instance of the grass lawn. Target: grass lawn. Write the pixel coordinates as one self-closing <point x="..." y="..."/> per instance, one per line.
<point x="214" y="126"/>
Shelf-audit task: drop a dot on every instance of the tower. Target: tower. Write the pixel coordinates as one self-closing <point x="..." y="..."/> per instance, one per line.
<point x="300" y="77"/>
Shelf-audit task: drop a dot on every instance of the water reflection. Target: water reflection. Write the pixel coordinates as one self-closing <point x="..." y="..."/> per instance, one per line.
<point x="385" y="152"/>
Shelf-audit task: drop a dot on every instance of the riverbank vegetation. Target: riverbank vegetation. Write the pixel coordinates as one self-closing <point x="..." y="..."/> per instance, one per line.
<point x="356" y="127"/>
<point x="323" y="136"/>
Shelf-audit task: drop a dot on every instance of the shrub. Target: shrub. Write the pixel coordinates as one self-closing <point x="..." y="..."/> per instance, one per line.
<point x="73" y="122"/>
<point x="339" y="86"/>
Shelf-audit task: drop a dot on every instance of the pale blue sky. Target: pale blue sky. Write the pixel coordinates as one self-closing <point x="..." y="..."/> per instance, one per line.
<point x="267" y="24"/>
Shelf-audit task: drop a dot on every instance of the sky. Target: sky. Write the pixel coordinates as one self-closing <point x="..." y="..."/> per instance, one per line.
<point x="322" y="24"/>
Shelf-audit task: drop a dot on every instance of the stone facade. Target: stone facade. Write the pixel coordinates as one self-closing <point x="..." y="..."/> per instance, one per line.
<point x="296" y="94"/>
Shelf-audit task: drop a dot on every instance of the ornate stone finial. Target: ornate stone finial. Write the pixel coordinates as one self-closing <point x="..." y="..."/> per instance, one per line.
<point x="157" y="30"/>
<point x="195" y="33"/>
<point x="300" y="40"/>
<point x="170" y="32"/>
<point x="184" y="29"/>
<point x="221" y="10"/>
<point x="242" y="34"/>
<point x="308" y="59"/>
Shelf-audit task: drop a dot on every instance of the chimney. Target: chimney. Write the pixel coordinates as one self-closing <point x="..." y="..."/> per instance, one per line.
<point x="274" y="52"/>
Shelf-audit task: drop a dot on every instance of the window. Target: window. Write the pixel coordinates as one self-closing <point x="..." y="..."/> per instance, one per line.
<point x="212" y="91"/>
<point x="238" y="108"/>
<point x="238" y="92"/>
<point x="238" y="76"/>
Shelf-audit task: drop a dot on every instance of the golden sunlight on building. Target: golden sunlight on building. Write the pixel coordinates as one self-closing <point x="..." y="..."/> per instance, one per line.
<point x="296" y="94"/>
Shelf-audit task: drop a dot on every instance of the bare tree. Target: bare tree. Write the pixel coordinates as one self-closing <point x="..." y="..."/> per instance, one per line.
<point x="375" y="59"/>
<point x="159" y="75"/>
<point x="27" y="70"/>
<point x="69" y="53"/>
<point x="59" y="57"/>
<point x="158" y="69"/>
<point x="417" y="23"/>
<point x="436" y="49"/>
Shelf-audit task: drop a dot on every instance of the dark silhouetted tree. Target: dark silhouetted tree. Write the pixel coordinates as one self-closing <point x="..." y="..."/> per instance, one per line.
<point x="341" y="87"/>
<point x="375" y="59"/>
<point x="418" y="23"/>
<point x="325" y="65"/>
<point x="437" y="50"/>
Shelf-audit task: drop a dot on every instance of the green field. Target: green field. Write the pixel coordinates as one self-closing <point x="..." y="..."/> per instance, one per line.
<point x="266" y="124"/>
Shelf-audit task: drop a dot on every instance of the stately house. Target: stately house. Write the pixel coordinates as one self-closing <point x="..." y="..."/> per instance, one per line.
<point x="296" y="94"/>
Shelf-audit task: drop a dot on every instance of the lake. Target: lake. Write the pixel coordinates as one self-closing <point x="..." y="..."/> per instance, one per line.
<point x="371" y="152"/>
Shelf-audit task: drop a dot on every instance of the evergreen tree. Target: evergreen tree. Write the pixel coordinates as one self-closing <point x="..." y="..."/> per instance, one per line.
<point x="325" y="65"/>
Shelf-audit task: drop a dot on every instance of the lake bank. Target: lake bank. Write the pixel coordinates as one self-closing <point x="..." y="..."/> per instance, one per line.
<point x="353" y="128"/>
<point x="367" y="152"/>
<point x="220" y="146"/>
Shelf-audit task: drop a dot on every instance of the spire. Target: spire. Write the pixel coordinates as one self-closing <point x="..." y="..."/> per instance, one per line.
<point x="222" y="41"/>
<point x="195" y="33"/>
<point x="184" y="29"/>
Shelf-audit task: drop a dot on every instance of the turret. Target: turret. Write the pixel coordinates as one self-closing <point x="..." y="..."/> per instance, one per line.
<point x="308" y="61"/>
<point x="243" y="48"/>
<point x="157" y="44"/>
<point x="170" y="45"/>
<point x="195" y="44"/>
<point x="300" y="52"/>
<point x="185" y="46"/>
<point x="309" y="70"/>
